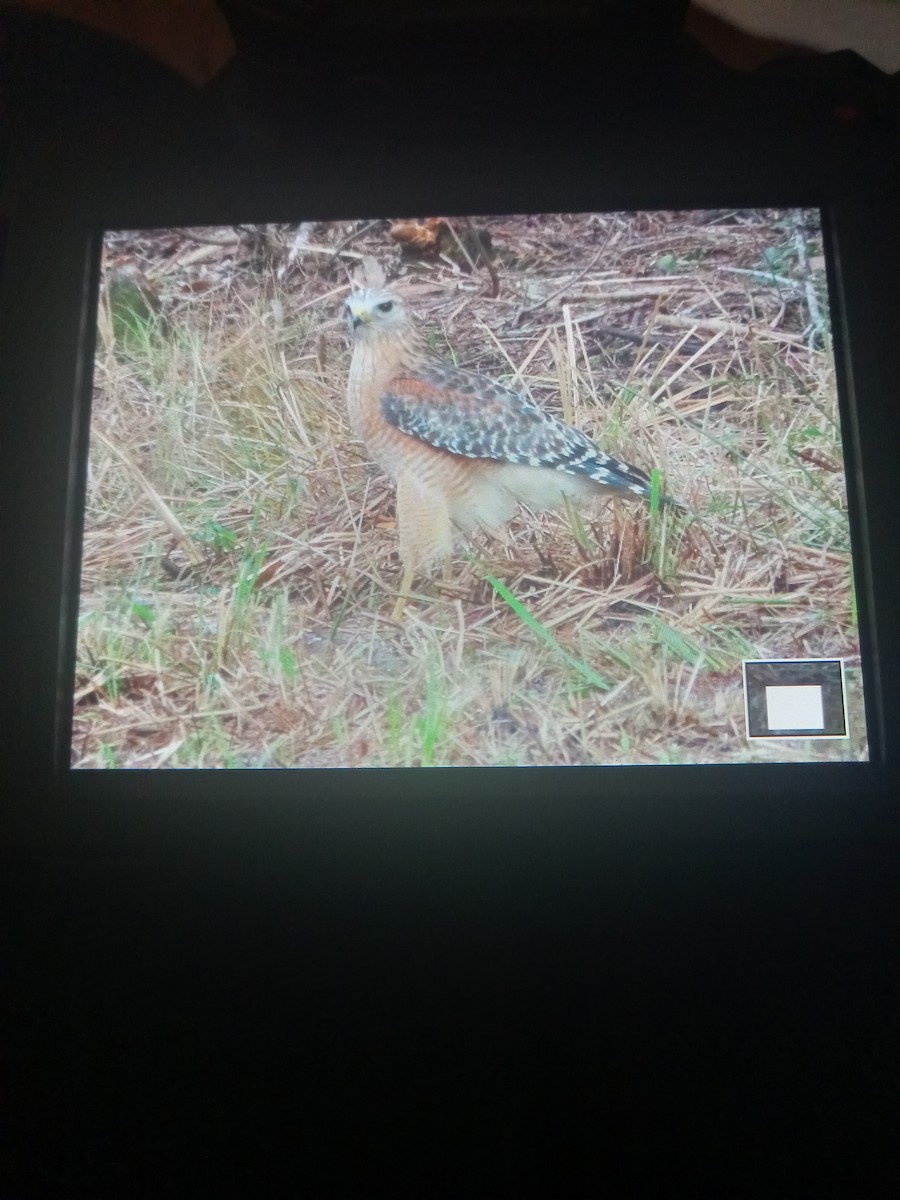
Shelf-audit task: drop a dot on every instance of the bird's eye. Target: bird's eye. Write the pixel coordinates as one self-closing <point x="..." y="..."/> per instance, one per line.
<point x="385" y="306"/>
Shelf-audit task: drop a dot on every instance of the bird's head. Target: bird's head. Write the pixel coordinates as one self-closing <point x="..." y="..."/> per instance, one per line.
<point x="372" y="312"/>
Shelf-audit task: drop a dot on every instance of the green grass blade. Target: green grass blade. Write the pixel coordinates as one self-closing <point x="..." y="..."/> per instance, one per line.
<point x="547" y="637"/>
<point x="655" y="491"/>
<point x="685" y="647"/>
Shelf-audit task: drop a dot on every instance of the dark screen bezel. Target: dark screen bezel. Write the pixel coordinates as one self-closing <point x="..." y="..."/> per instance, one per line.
<point x="50" y="293"/>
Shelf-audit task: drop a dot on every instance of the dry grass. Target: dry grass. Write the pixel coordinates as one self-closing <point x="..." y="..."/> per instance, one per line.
<point x="240" y="556"/>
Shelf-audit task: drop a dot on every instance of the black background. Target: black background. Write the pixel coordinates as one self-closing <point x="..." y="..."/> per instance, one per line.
<point x="437" y="985"/>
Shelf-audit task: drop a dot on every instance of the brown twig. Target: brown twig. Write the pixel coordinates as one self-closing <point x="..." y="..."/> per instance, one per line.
<point x="485" y="258"/>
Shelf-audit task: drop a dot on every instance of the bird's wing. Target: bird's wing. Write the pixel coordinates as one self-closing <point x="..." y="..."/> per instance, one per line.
<point x="466" y="414"/>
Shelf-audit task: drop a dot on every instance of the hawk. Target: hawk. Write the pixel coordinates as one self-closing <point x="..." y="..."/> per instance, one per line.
<point x="463" y="450"/>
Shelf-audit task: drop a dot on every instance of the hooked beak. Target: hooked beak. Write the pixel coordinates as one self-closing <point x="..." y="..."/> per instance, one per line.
<point x="358" y="318"/>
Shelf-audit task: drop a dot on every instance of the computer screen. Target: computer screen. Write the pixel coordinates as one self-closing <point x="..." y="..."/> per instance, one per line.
<point x="516" y="490"/>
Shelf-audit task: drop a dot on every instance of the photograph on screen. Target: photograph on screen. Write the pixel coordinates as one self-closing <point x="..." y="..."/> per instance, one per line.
<point x="530" y="490"/>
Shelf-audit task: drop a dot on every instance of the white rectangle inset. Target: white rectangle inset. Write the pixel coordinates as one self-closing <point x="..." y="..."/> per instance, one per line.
<point x="795" y="707"/>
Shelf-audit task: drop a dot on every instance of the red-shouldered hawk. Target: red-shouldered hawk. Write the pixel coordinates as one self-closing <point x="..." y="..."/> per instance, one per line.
<point x="464" y="451"/>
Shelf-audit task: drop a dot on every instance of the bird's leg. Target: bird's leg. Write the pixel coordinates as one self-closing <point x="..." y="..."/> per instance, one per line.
<point x="447" y="569"/>
<point x="405" y="584"/>
<point x="425" y="532"/>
